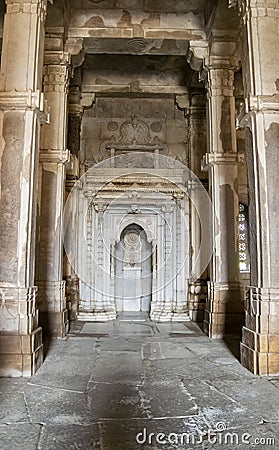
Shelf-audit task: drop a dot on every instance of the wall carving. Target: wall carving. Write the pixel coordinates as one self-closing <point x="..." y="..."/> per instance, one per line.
<point x="134" y="134"/>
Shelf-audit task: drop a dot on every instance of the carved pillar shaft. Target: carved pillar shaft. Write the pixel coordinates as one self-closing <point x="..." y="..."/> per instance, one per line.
<point x="260" y="341"/>
<point x="197" y="149"/>
<point x="223" y="310"/>
<point x="53" y="155"/>
<point x="21" y="106"/>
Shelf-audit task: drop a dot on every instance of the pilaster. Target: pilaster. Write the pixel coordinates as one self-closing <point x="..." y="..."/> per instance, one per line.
<point x="224" y="309"/>
<point x="197" y="148"/>
<point x="53" y="156"/>
<point x="22" y="110"/>
<point x="260" y="339"/>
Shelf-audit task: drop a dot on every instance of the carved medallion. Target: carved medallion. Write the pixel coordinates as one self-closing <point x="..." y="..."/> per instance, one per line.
<point x="112" y="125"/>
<point x="156" y="127"/>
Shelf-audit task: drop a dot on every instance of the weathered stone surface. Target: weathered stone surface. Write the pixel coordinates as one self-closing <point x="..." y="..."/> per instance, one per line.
<point x="57" y="406"/>
<point x="83" y="437"/>
<point x="115" y="401"/>
<point x="103" y="393"/>
<point x="168" y="399"/>
<point x="118" y="367"/>
<point x="13" y="408"/>
<point x="20" y="436"/>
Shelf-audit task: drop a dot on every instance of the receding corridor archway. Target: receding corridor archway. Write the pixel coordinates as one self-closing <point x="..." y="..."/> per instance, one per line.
<point x="133" y="271"/>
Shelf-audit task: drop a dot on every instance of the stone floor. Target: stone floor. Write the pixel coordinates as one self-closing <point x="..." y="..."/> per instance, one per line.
<point x="132" y="384"/>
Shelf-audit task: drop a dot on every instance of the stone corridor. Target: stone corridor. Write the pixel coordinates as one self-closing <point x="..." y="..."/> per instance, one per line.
<point x="106" y="383"/>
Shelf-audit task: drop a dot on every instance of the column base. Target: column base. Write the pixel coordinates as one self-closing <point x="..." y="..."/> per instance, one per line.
<point x="158" y="315"/>
<point x="197" y="300"/>
<point x="224" y="311"/>
<point x="54" y="324"/>
<point x="260" y="348"/>
<point x="20" y="354"/>
<point x="72" y="296"/>
<point x="97" y="316"/>
<point x="53" y="315"/>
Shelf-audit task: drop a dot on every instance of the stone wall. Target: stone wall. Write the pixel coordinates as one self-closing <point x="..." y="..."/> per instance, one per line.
<point x="156" y="121"/>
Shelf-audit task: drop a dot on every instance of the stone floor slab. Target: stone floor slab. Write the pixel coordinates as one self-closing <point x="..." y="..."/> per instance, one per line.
<point x="168" y="400"/>
<point x="76" y="437"/>
<point x="57" y="407"/>
<point x="20" y="436"/>
<point x="173" y="327"/>
<point x="13" y="408"/>
<point x="100" y="392"/>
<point x="119" y="344"/>
<point x="115" y="401"/>
<point x="97" y="328"/>
<point x="134" y="329"/>
<point x="149" y="434"/>
<point x="118" y="367"/>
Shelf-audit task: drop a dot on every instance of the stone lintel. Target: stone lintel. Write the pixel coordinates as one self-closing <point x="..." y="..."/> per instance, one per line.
<point x="143" y="88"/>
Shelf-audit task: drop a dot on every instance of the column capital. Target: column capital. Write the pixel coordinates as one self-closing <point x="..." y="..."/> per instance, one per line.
<point x="38" y="7"/>
<point x="220" y="81"/>
<point x="56" y="77"/>
<point x="264" y="8"/>
<point x="74" y="102"/>
<point x="54" y="156"/>
<point x="212" y="159"/>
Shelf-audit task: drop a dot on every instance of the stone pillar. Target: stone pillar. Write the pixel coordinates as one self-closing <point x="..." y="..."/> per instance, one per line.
<point x="260" y="340"/>
<point x="75" y="112"/>
<point x="197" y="149"/>
<point x="53" y="155"/>
<point x="223" y="309"/>
<point x="21" y="112"/>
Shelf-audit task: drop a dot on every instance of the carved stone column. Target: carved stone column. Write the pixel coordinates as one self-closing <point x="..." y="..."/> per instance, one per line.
<point x="260" y="341"/>
<point x="75" y="113"/>
<point x="53" y="155"/>
<point x="223" y="310"/>
<point x="197" y="148"/>
<point x="21" y="112"/>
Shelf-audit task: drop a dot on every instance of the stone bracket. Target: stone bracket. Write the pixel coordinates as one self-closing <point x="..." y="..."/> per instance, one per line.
<point x="182" y="101"/>
<point x="87" y="99"/>
<point x="197" y="55"/>
<point x="75" y="47"/>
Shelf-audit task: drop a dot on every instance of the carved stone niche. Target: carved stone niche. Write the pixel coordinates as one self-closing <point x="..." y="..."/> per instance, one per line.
<point x="135" y="135"/>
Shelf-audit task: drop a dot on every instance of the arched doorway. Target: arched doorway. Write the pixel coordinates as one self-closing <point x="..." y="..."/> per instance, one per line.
<point x="133" y="270"/>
